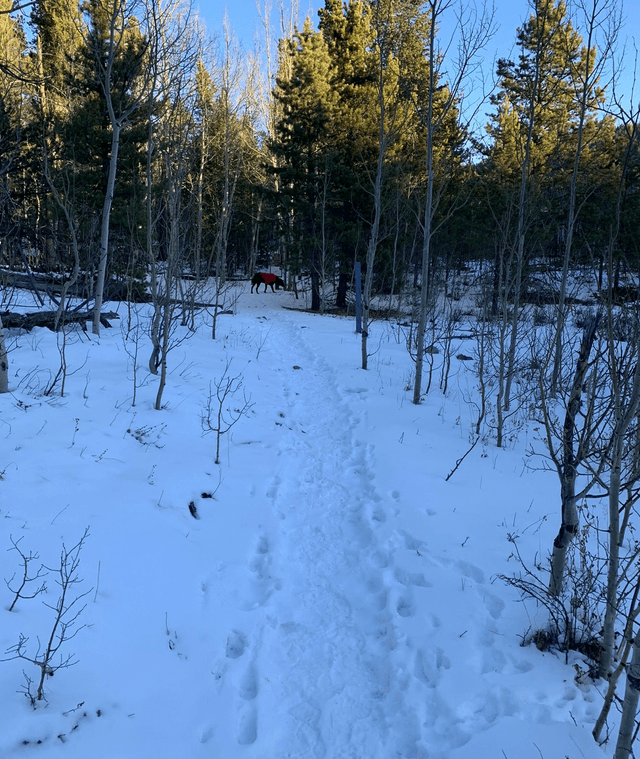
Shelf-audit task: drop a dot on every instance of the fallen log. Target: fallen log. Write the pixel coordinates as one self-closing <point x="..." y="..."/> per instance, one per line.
<point x="47" y="319"/>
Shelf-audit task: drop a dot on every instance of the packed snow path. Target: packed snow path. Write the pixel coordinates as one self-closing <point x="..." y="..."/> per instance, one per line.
<point x="345" y="649"/>
<point x="334" y="595"/>
<point x="314" y="670"/>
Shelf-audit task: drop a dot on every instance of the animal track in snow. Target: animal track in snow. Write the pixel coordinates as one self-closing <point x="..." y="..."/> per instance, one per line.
<point x="493" y="660"/>
<point x="471" y="571"/>
<point x="378" y="515"/>
<point x="272" y="490"/>
<point x="494" y="605"/>
<point x="414" y="544"/>
<point x="380" y="559"/>
<point x="412" y="578"/>
<point x="206" y="734"/>
<point x="218" y="671"/>
<point x="405" y="606"/>
<point x="428" y="665"/>
<point x="263" y="584"/>
<point x="248" y="688"/>
<point x="247" y="725"/>
<point x="236" y="643"/>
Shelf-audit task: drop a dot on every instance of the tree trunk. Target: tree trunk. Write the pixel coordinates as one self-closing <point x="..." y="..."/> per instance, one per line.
<point x="630" y="705"/>
<point x="624" y="417"/>
<point x="4" y="362"/>
<point x="428" y="218"/>
<point x="570" y="518"/>
<point x="375" y="226"/>
<point x="104" y="233"/>
<point x="599" y="9"/>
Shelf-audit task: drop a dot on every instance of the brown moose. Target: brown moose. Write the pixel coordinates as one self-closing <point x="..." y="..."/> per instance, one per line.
<point x="266" y="278"/>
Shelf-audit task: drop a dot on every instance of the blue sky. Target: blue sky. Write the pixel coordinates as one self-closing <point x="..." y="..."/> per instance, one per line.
<point x="244" y="19"/>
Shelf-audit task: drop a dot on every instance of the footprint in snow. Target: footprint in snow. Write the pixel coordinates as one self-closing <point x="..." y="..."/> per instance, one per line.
<point x="405" y="606"/>
<point x="218" y="671"/>
<point x="263" y="584"/>
<point x="248" y="689"/>
<point x="493" y="660"/>
<point x="494" y="605"/>
<point x="414" y="544"/>
<point x="206" y="734"/>
<point x="428" y="665"/>
<point x="412" y="578"/>
<point x="236" y="643"/>
<point x="247" y="725"/>
<point x="471" y="571"/>
<point x="272" y="490"/>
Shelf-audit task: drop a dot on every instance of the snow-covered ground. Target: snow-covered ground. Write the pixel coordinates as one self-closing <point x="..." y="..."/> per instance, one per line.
<point x="337" y="597"/>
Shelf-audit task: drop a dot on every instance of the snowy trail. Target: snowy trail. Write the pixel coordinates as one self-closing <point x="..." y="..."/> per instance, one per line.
<point x="335" y="656"/>
<point x="325" y="635"/>
<point x="333" y="595"/>
<point x="341" y="652"/>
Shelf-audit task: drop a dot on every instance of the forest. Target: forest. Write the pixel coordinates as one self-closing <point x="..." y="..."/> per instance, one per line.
<point x="130" y="139"/>
<point x="142" y="161"/>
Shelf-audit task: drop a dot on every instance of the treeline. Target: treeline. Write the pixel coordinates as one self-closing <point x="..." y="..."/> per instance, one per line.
<point x="124" y="144"/>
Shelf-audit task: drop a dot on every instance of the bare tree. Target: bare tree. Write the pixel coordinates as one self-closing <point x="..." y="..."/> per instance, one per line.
<point x="218" y="416"/>
<point x="66" y="613"/>
<point x="602" y="21"/>
<point x="236" y="116"/>
<point x="4" y="362"/>
<point x="123" y="37"/>
<point x="628" y="728"/>
<point x="625" y="398"/>
<point x="26" y="560"/>
<point x="629" y="118"/>
<point x="391" y="115"/>
<point x="473" y="32"/>
<point x="170" y="134"/>
<point x="581" y="426"/>
<point x="625" y="395"/>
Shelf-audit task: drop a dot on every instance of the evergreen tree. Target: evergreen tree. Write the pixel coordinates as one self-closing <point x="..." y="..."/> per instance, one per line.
<point x="304" y="148"/>
<point x="117" y="73"/>
<point x="14" y="87"/>
<point x="537" y="110"/>
<point x="349" y="38"/>
<point x="57" y="27"/>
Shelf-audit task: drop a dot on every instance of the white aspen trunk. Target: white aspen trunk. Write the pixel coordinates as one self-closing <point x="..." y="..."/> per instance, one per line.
<point x="513" y="337"/>
<point x="613" y="560"/>
<point x="474" y="32"/>
<point x="428" y="217"/>
<point x="104" y="232"/>
<point x="118" y="22"/>
<point x="571" y="222"/>
<point x="623" y="421"/>
<point x="522" y="215"/>
<point x="375" y="227"/>
<point x="590" y="79"/>
<point x="163" y="351"/>
<point x="630" y="705"/>
<point x="4" y="362"/>
<point x="570" y="518"/>
<point x="153" y="269"/>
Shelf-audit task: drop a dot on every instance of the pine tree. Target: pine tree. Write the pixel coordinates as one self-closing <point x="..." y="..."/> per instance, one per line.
<point x="15" y="76"/>
<point x="538" y="94"/>
<point x="347" y="31"/>
<point x="117" y="71"/>
<point x="303" y="146"/>
<point x="12" y="84"/>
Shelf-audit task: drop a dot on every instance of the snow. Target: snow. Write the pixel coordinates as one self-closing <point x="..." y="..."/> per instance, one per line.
<point x="337" y="597"/>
